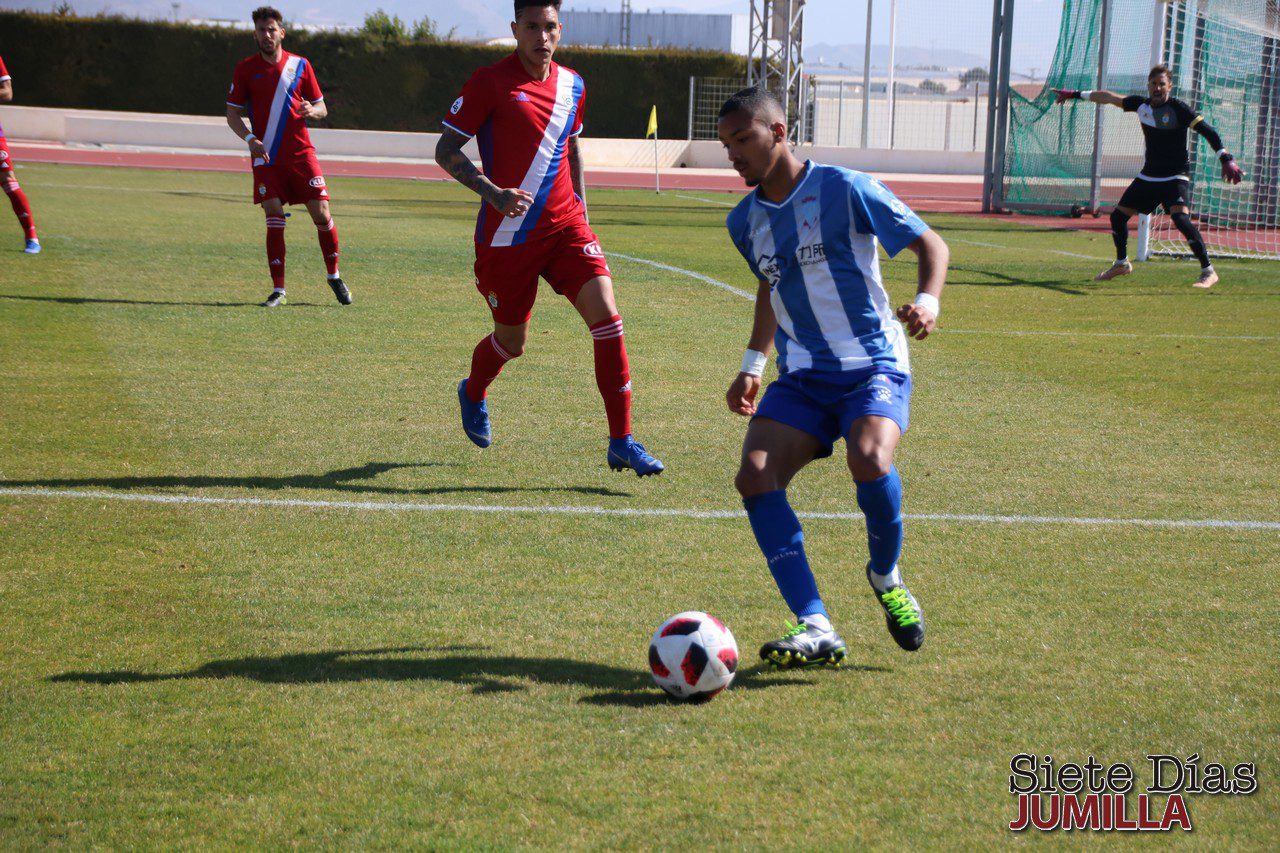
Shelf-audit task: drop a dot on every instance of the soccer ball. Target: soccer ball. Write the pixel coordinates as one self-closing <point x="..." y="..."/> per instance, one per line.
<point x="693" y="655"/>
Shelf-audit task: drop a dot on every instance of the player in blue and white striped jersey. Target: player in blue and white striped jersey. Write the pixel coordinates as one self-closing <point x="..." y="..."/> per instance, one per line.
<point x="809" y="233"/>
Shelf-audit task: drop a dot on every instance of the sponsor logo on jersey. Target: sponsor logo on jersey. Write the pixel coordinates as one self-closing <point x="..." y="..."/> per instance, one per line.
<point x="593" y="249"/>
<point x="770" y="269"/>
<point x="457" y="105"/>
<point x="317" y="181"/>
<point x="493" y="299"/>
<point x="814" y="253"/>
<point x="520" y="96"/>
<point x="809" y="199"/>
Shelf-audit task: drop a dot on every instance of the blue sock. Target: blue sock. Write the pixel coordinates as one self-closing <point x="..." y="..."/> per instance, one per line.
<point x="881" y="502"/>
<point x="778" y="532"/>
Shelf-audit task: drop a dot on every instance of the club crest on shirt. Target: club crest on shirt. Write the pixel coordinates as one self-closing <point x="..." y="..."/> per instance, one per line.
<point x="770" y="269"/>
<point x="262" y="189"/>
<point x="457" y="105"/>
<point x="493" y="298"/>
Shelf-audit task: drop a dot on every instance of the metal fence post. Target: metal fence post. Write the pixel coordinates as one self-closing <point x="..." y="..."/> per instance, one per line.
<point x="840" y="116"/>
<point x="975" y="116"/>
<point x="866" y="77"/>
<point x="993" y="70"/>
<point x="1095" y="166"/>
<point x="691" y="96"/>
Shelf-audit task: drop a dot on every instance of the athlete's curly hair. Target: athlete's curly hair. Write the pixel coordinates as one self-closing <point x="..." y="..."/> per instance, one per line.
<point x="263" y="13"/>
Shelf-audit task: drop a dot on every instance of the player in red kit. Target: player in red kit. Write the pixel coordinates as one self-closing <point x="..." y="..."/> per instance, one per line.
<point x="526" y="114"/>
<point x="8" y="182"/>
<point x="281" y="92"/>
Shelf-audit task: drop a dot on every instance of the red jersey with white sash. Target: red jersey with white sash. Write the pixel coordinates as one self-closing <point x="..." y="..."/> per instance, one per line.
<point x="271" y="92"/>
<point x="522" y="126"/>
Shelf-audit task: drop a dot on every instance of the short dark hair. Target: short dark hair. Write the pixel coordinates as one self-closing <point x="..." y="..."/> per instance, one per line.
<point x="756" y="100"/>
<point x="263" y="13"/>
<point x="521" y="5"/>
<point x="1162" y="68"/>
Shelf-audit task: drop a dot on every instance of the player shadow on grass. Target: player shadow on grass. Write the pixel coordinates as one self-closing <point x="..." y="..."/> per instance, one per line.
<point x="91" y="300"/>
<point x="1058" y="285"/>
<point x="484" y="674"/>
<point x="341" y="480"/>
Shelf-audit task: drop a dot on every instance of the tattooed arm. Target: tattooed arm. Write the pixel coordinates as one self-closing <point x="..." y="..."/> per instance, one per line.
<point x="450" y="157"/>
<point x="577" y="173"/>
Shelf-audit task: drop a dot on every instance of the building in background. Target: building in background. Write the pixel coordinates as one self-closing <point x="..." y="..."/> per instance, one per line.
<point x="725" y="33"/>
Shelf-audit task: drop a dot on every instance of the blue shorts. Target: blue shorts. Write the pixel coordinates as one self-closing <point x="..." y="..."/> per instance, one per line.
<point x="825" y="405"/>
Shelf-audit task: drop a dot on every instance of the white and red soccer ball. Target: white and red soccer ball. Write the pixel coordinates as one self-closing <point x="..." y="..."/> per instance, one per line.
<point x="693" y="655"/>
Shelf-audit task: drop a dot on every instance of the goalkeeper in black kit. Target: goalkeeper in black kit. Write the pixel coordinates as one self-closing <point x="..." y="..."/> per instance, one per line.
<point x="1165" y="178"/>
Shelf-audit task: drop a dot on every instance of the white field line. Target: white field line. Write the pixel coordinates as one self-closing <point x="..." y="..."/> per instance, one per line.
<point x="690" y="273"/>
<point x="1013" y="332"/>
<point x="707" y="200"/>
<point x="1136" y="335"/>
<point x="401" y="506"/>
<point x="745" y="295"/>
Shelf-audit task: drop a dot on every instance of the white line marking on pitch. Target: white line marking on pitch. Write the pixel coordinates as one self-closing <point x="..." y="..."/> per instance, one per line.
<point x="1014" y="332"/>
<point x="690" y="273"/>
<point x="401" y="506"/>
<point x="1138" y="335"/>
<point x="707" y="200"/>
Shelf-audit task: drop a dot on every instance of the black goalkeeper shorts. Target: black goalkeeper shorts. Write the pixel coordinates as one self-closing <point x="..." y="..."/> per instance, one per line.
<point x="1145" y="196"/>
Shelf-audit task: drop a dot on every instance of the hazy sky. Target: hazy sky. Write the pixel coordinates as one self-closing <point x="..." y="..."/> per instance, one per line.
<point x="959" y="24"/>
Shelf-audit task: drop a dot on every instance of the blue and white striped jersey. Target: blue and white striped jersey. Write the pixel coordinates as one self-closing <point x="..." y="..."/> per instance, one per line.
<point x="817" y="251"/>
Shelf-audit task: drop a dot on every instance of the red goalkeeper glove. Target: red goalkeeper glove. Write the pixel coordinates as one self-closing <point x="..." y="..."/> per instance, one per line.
<point x="1231" y="173"/>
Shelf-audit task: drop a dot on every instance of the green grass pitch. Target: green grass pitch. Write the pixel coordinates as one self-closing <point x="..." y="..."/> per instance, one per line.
<point x="235" y="674"/>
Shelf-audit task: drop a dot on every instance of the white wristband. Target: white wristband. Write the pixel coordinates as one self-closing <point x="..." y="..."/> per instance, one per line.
<point x="928" y="300"/>
<point x="753" y="362"/>
<point x="1085" y="93"/>
<point x="249" y="137"/>
<point x="1224" y="154"/>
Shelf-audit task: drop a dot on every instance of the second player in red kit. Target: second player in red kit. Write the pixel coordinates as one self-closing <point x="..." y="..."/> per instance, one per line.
<point x="525" y="113"/>
<point x="280" y="91"/>
<point x="8" y="183"/>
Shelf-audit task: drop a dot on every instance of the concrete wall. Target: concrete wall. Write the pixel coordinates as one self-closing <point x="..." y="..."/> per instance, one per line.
<point x="210" y="133"/>
<point x="705" y="154"/>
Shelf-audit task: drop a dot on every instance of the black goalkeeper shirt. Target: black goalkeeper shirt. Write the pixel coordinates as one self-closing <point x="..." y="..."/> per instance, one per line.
<point x="1165" y="130"/>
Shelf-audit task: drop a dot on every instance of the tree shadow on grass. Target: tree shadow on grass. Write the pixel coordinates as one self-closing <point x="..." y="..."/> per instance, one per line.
<point x="485" y="674"/>
<point x="341" y="480"/>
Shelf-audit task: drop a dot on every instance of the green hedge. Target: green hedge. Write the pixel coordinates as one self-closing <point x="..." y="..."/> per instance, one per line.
<point x="121" y="64"/>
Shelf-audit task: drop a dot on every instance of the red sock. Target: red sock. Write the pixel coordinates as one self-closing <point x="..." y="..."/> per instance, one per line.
<point x="329" y="245"/>
<point x="21" y="208"/>
<point x="613" y="374"/>
<point x="487" y="361"/>
<point x="275" y="250"/>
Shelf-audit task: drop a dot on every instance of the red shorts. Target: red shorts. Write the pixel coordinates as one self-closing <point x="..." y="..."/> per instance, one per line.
<point x="5" y="163"/>
<point x="507" y="276"/>
<point x="296" y="182"/>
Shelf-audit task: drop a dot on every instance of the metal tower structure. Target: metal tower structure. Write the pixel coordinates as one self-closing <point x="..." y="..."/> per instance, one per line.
<point x="624" y="36"/>
<point x="775" y="58"/>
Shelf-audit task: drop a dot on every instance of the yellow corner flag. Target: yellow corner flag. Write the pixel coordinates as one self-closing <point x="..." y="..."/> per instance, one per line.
<point x="653" y="123"/>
